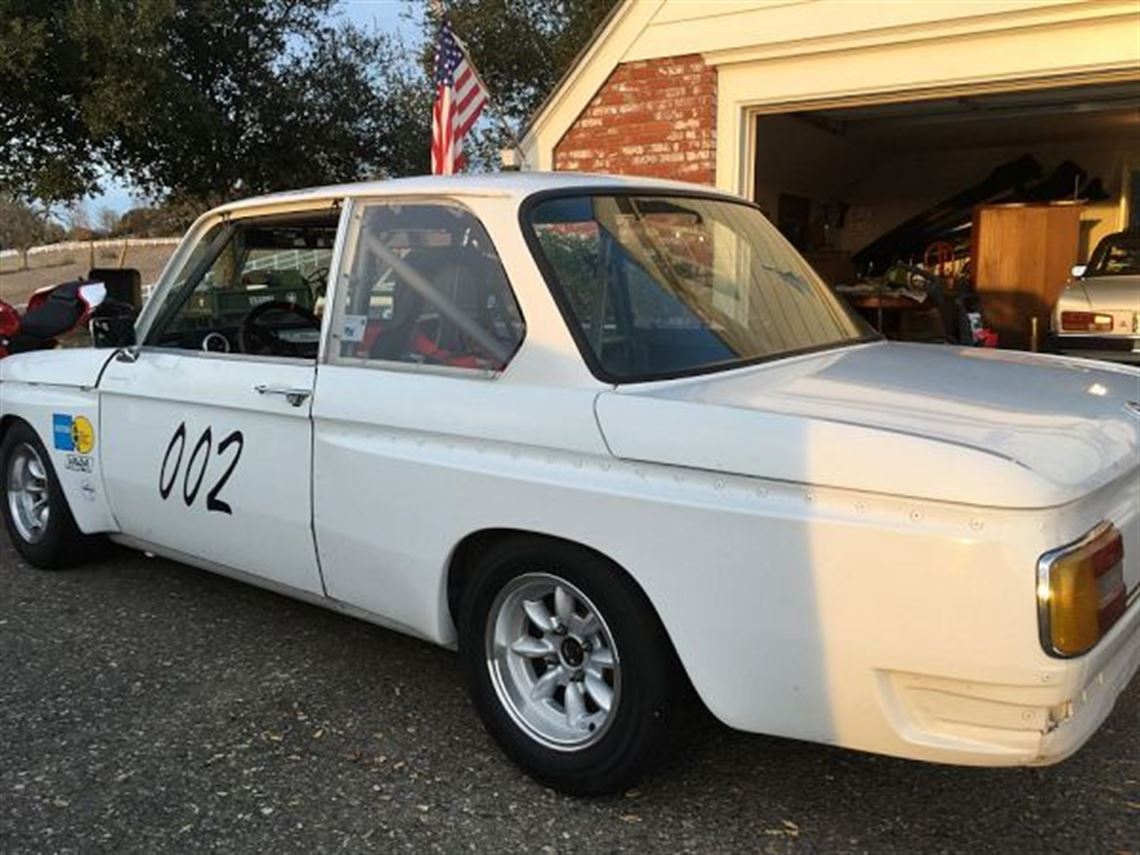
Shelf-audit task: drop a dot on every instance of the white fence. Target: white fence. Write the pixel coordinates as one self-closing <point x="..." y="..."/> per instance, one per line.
<point x="290" y="259"/>
<point x="73" y="245"/>
<point x="16" y="259"/>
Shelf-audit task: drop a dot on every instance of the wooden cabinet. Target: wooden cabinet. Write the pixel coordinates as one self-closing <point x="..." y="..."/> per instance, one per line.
<point x="1021" y="258"/>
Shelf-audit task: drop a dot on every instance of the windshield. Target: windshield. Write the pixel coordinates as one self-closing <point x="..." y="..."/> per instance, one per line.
<point x="663" y="286"/>
<point x="1116" y="255"/>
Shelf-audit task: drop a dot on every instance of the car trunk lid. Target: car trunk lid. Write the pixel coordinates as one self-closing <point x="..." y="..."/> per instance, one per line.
<point x="965" y="425"/>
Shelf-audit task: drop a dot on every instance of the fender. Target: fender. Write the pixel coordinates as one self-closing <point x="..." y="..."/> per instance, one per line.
<point x="55" y="392"/>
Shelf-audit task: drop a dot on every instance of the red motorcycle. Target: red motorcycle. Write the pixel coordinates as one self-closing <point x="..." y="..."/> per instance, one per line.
<point x="55" y="310"/>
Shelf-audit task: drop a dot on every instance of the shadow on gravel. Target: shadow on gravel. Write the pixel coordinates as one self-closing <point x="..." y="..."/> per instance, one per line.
<point x="147" y="704"/>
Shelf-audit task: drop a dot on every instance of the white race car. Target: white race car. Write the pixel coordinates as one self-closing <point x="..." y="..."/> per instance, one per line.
<point x="613" y="439"/>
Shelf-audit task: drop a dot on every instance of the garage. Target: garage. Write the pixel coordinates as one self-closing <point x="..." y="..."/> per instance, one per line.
<point x="864" y="189"/>
<point x="990" y="145"/>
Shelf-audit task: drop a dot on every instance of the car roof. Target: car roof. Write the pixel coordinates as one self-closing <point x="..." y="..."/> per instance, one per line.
<point x="500" y="184"/>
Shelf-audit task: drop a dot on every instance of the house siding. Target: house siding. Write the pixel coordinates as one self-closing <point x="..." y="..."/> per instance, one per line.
<point x="654" y="118"/>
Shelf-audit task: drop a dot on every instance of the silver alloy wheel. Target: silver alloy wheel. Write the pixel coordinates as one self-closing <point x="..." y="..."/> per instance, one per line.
<point x="553" y="661"/>
<point x="28" y="493"/>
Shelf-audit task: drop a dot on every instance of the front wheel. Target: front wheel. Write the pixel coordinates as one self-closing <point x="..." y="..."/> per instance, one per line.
<point x="35" y="511"/>
<point x="568" y="666"/>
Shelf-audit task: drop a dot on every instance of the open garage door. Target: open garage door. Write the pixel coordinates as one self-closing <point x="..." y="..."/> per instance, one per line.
<point x="867" y="191"/>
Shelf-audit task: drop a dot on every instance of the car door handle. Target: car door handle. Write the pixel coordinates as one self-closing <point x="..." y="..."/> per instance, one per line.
<point x="296" y="397"/>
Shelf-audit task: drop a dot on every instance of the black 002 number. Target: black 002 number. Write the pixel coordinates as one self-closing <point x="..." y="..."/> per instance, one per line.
<point x="196" y="466"/>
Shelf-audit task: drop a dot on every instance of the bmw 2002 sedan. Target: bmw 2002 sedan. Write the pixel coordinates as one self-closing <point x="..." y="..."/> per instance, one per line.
<point x="1098" y="313"/>
<point x="612" y="439"/>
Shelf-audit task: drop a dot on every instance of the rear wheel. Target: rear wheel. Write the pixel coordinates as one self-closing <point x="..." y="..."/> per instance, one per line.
<point x="35" y="511"/>
<point x="568" y="665"/>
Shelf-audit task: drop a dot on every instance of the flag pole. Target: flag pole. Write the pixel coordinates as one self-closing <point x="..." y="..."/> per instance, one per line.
<point x="511" y="137"/>
<point x="439" y="13"/>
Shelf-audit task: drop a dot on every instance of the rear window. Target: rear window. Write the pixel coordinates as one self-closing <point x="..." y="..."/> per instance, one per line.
<point x="660" y="286"/>
<point x="1116" y="255"/>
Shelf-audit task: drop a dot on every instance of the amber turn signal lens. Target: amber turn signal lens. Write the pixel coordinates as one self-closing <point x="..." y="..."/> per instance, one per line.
<point x="1080" y="591"/>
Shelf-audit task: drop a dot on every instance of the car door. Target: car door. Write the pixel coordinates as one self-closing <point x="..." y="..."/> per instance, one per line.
<point x="205" y="428"/>
<point x="424" y="323"/>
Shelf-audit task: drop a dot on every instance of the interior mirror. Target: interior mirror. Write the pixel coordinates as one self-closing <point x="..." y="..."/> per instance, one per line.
<point x="1078" y="271"/>
<point x="113" y="331"/>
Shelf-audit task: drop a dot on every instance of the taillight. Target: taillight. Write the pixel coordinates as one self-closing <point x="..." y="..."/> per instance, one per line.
<point x="1085" y="322"/>
<point x="1080" y="591"/>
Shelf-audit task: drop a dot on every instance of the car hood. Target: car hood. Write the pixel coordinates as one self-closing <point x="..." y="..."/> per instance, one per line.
<point x="71" y="366"/>
<point x="973" y="426"/>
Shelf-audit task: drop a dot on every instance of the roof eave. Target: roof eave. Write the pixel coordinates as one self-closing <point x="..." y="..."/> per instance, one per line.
<point x="609" y="23"/>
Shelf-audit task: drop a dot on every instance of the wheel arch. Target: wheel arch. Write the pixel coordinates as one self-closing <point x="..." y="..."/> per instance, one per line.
<point x="6" y="422"/>
<point x="37" y="407"/>
<point x="466" y="553"/>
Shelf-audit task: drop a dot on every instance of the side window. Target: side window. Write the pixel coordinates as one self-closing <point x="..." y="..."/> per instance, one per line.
<point x="426" y="287"/>
<point x="253" y="287"/>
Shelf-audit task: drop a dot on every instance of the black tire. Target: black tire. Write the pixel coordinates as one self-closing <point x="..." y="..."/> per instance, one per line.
<point x="654" y="688"/>
<point x="62" y="544"/>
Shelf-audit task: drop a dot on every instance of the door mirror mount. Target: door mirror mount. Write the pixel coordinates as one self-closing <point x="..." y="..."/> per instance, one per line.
<point x="113" y="331"/>
<point x="1078" y="271"/>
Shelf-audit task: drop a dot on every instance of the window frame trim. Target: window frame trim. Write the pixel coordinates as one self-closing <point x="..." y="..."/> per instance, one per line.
<point x="562" y="300"/>
<point x="353" y="221"/>
<point x="149" y="318"/>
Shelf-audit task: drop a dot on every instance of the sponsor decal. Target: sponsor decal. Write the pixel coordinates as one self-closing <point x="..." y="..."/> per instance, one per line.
<point x="83" y="435"/>
<point x="61" y="432"/>
<point x="72" y="433"/>
<point x="354" y="327"/>
<point x="88" y="491"/>
<point x="77" y="463"/>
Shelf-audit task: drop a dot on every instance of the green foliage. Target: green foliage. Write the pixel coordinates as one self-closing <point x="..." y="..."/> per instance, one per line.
<point x="22" y="226"/>
<point x="574" y="257"/>
<point x="172" y="218"/>
<point x="197" y="101"/>
<point x="200" y="99"/>
<point x="44" y="143"/>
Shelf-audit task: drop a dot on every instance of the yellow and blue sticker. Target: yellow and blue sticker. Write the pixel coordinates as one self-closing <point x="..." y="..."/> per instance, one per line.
<point x="72" y="433"/>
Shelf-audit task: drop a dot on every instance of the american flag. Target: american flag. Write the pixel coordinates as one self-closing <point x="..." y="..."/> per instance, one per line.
<point x="459" y="99"/>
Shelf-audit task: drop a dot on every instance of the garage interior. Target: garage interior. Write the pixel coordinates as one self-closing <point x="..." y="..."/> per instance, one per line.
<point x="974" y="208"/>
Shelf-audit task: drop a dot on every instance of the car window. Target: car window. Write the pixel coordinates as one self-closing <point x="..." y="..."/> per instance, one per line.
<point x="659" y="286"/>
<point x="253" y="287"/>
<point x="1117" y="255"/>
<point x="425" y="286"/>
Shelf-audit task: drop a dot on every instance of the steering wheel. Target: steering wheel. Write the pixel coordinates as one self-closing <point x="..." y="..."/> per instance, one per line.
<point x="256" y="335"/>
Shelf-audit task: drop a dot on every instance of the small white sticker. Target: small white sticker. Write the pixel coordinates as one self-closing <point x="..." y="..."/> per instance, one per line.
<point x="77" y="463"/>
<point x="354" y="326"/>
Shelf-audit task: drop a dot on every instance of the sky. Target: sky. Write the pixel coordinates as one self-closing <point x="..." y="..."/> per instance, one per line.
<point x="389" y="16"/>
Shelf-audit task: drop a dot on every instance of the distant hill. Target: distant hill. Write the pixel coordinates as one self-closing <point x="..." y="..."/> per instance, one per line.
<point x="51" y="265"/>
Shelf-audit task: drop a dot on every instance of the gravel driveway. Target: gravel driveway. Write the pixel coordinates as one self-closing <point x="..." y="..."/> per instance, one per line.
<point x="146" y="706"/>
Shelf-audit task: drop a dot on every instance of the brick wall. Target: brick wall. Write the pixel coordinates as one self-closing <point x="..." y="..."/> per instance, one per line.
<point x="654" y="118"/>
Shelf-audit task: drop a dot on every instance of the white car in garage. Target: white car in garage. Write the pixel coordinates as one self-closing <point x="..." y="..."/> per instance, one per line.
<point x="612" y="439"/>
<point x="1098" y="314"/>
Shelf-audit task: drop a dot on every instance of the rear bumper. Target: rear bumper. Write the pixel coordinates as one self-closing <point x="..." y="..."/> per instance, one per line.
<point x="980" y="724"/>
<point x="1121" y="348"/>
<point x="1108" y="674"/>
